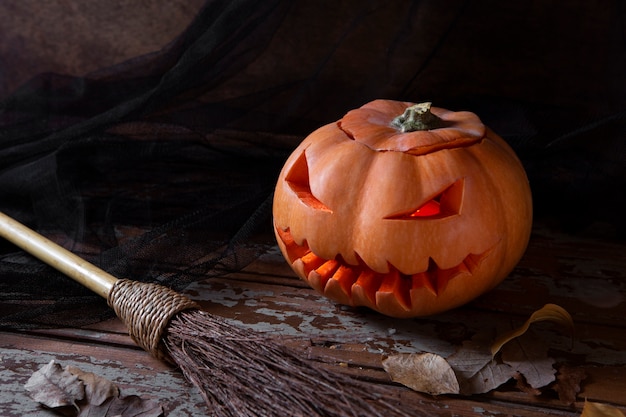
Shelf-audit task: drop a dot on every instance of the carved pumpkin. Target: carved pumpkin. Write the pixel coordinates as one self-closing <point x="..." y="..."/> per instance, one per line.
<point x="403" y="208"/>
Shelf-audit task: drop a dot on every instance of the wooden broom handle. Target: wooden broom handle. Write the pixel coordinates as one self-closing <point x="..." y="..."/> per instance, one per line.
<point x="57" y="257"/>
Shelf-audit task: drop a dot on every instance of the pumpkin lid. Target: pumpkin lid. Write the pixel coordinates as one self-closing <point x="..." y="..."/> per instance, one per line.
<point x="372" y="125"/>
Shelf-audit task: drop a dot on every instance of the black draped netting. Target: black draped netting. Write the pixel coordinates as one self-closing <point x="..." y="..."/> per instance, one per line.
<point x="161" y="167"/>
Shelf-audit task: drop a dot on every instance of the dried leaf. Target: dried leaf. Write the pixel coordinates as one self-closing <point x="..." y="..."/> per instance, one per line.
<point x="128" y="406"/>
<point x="522" y="385"/>
<point x="549" y="312"/>
<point x="133" y="406"/>
<point x="475" y="368"/>
<point x="89" y="395"/>
<point x="423" y="372"/>
<point x="490" y="377"/>
<point x="568" y="383"/>
<point x="54" y="387"/>
<point x="472" y="356"/>
<point x="528" y="355"/>
<point x="600" y="410"/>
<point x="97" y="388"/>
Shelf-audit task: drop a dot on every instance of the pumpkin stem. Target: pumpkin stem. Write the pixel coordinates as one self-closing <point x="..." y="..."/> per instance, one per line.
<point x="417" y="117"/>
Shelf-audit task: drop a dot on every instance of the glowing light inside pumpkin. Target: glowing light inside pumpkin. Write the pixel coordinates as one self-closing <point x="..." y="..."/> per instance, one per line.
<point x="431" y="208"/>
<point x="447" y="203"/>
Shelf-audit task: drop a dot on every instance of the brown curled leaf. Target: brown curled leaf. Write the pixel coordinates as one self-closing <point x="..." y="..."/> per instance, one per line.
<point x="423" y="372"/>
<point x="549" y="312"/>
<point x="97" y="389"/>
<point x="73" y="392"/>
<point x="55" y="387"/>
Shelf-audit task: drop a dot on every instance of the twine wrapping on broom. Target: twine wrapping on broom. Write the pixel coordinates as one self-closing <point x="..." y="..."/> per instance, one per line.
<point x="146" y="310"/>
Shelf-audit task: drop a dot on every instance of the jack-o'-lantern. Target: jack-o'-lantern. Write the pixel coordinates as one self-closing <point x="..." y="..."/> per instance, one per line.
<point x="406" y="209"/>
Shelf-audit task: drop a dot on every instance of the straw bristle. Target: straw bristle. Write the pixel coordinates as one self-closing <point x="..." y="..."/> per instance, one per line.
<point x="243" y="373"/>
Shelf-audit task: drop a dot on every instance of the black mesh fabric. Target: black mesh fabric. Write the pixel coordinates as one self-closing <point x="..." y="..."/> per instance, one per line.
<point x="161" y="167"/>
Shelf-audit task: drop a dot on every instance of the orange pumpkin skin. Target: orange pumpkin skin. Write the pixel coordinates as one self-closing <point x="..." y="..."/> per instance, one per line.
<point x="408" y="224"/>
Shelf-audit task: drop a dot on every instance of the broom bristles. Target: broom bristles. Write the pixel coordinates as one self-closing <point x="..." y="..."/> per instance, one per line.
<point x="242" y="373"/>
<point x="238" y="371"/>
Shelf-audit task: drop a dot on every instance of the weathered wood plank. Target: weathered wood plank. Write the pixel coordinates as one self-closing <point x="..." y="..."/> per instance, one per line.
<point x="585" y="276"/>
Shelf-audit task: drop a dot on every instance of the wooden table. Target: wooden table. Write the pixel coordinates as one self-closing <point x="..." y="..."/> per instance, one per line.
<point x="586" y="276"/>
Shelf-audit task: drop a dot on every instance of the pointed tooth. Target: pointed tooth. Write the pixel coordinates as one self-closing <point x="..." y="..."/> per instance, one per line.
<point x="424" y="280"/>
<point x="472" y="262"/>
<point x="339" y="286"/>
<point x="427" y="279"/>
<point x="463" y="267"/>
<point x="394" y="289"/>
<point x="311" y="261"/>
<point x="298" y="266"/>
<point x="443" y="276"/>
<point x="328" y="268"/>
<point x="320" y="275"/>
<point x="316" y="281"/>
<point x="294" y="251"/>
<point x="364" y="289"/>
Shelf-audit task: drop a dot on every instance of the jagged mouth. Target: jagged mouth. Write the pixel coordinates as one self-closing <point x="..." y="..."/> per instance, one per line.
<point x="340" y="281"/>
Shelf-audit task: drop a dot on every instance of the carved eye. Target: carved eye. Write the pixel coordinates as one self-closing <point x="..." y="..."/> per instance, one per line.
<point x="298" y="181"/>
<point x="444" y="204"/>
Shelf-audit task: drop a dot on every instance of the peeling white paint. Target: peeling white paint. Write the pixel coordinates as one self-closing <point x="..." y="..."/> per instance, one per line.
<point x="168" y="387"/>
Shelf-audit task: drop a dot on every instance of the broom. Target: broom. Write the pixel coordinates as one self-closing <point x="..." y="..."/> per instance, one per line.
<point x="238" y="372"/>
